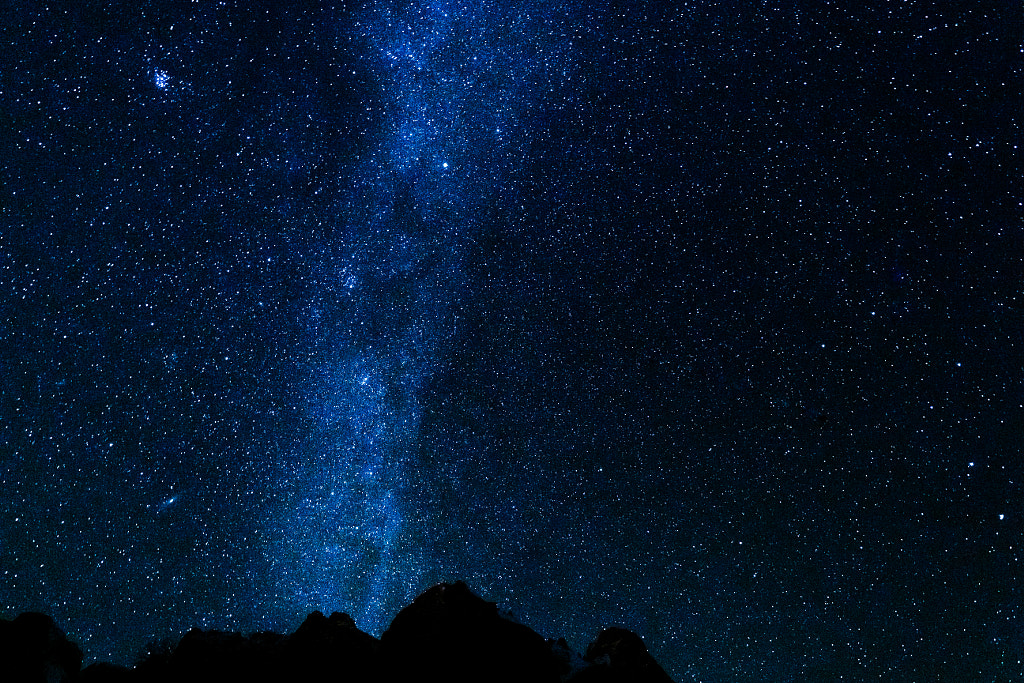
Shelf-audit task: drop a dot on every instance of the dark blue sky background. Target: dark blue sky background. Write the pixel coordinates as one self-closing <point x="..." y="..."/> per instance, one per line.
<point x="703" y="319"/>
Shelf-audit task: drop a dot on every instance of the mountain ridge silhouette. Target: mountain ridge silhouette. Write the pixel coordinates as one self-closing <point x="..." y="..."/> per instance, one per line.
<point x="447" y="633"/>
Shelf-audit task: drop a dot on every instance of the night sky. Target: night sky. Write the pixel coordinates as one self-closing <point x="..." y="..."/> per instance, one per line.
<point x="705" y="319"/>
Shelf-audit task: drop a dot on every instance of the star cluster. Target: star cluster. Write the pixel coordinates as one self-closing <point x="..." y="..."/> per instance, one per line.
<point x="703" y="319"/>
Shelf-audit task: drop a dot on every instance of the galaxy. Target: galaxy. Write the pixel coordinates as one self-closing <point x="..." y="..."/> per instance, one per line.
<point x="702" y="319"/>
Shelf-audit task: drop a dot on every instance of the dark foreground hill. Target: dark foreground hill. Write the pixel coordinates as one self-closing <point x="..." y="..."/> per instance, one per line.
<point x="448" y="633"/>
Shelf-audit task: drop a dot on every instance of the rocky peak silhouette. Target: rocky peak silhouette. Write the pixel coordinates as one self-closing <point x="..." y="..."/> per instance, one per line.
<point x="32" y="648"/>
<point x="448" y="633"/>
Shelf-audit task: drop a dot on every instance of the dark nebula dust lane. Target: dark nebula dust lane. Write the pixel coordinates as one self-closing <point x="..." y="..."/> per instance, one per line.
<point x="700" y="319"/>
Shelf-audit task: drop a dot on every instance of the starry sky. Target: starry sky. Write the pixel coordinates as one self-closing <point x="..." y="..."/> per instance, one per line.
<point x="700" y="318"/>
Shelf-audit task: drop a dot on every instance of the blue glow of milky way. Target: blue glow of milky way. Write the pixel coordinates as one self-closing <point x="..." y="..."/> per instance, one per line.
<point x="457" y="78"/>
